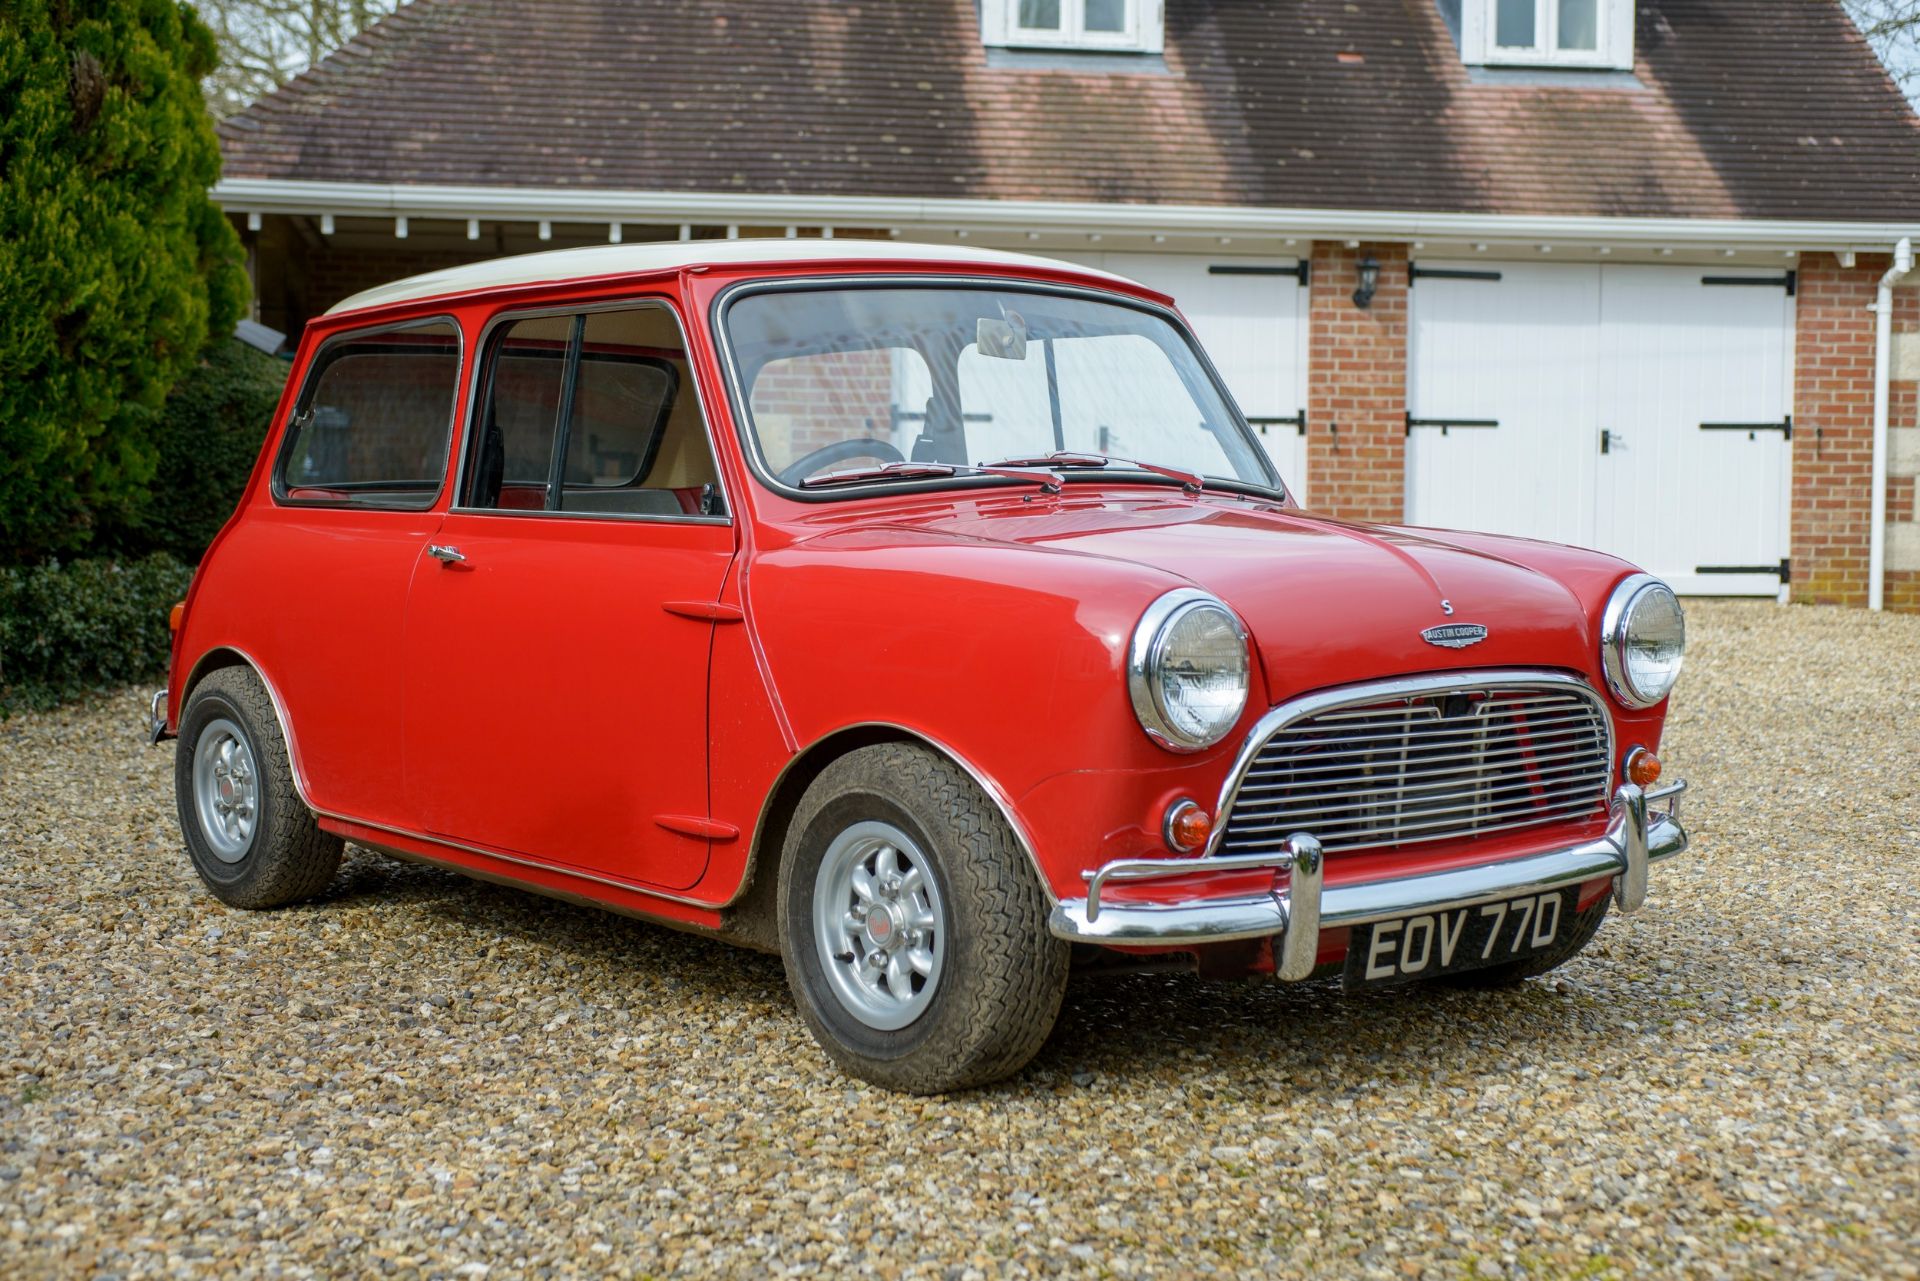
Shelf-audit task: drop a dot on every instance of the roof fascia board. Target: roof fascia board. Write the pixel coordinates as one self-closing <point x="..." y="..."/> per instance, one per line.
<point x="256" y="195"/>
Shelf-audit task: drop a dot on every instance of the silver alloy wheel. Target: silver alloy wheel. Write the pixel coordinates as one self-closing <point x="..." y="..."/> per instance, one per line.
<point x="879" y="925"/>
<point x="226" y="790"/>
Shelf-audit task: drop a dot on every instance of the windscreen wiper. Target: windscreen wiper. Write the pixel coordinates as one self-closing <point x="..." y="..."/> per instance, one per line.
<point x="1041" y="475"/>
<point x="1192" y="482"/>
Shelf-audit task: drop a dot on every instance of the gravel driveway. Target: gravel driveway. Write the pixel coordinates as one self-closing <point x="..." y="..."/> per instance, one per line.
<point x="424" y="1075"/>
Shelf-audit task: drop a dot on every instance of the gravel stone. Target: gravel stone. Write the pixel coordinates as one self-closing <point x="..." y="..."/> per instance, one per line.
<point x="425" y="1076"/>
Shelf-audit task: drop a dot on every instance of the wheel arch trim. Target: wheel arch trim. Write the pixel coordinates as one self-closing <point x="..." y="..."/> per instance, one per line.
<point x="204" y="666"/>
<point x="888" y="731"/>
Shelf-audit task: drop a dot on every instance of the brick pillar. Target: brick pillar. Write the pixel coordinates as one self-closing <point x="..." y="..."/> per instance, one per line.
<point x="1357" y="384"/>
<point x="1833" y="435"/>
<point x="1903" y="457"/>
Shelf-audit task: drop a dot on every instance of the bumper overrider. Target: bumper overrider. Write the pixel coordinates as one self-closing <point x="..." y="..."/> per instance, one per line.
<point x="1294" y="914"/>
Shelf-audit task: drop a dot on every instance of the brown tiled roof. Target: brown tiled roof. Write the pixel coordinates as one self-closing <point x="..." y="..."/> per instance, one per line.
<point x="1742" y="108"/>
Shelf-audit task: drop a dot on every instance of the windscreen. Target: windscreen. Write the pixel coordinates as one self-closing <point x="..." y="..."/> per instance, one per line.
<point x="838" y="379"/>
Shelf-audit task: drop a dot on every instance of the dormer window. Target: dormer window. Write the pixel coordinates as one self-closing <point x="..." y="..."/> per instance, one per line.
<point x="1101" y="26"/>
<point x="1548" y="33"/>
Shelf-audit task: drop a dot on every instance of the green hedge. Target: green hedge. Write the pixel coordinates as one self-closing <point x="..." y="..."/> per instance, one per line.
<point x="207" y="437"/>
<point x="86" y="624"/>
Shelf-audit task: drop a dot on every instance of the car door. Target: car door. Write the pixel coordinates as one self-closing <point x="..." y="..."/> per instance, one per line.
<point x="557" y="648"/>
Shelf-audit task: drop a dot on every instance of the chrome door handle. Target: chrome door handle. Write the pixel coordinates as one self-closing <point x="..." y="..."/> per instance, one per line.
<point x="444" y="554"/>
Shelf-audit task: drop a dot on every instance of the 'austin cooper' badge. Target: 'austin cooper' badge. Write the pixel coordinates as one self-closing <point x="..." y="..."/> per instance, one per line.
<point x="1454" y="635"/>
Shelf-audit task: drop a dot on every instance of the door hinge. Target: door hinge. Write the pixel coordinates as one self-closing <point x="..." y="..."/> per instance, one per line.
<point x="1416" y="272"/>
<point x="1446" y="424"/>
<point x="1301" y="271"/>
<point x="1784" y="569"/>
<point x="1298" y="420"/>
<point x="1788" y="282"/>
<point x="707" y="611"/>
<point x="1784" y="427"/>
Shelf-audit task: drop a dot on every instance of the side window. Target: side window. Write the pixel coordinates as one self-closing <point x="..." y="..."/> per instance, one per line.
<point x="592" y="413"/>
<point x="373" y="422"/>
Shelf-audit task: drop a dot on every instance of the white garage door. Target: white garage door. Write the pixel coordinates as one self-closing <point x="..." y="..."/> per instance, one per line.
<point x="1642" y="410"/>
<point x="1251" y="316"/>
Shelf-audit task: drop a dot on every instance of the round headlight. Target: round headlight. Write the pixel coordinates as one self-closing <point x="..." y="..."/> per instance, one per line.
<point x="1643" y="637"/>
<point x="1187" y="671"/>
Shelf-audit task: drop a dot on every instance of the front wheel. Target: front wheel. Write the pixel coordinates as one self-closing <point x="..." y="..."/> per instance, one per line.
<point x="913" y="927"/>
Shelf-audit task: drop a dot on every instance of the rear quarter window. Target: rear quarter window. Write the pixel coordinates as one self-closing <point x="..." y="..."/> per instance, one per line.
<point x="374" y="420"/>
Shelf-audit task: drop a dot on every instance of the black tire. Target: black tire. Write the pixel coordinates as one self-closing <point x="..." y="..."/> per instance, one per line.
<point x="287" y="857"/>
<point x="1003" y="975"/>
<point x="1585" y="926"/>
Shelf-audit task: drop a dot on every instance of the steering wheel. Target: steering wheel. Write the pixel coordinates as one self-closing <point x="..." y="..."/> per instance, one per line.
<point x="839" y="451"/>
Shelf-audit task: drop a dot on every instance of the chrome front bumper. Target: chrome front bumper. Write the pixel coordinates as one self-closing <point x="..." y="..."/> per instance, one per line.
<point x="1295" y="915"/>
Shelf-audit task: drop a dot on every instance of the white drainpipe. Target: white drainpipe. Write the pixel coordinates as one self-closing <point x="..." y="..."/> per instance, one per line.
<point x="1882" y="373"/>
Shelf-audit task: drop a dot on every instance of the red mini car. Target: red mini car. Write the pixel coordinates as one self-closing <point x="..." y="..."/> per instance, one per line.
<point x="931" y="617"/>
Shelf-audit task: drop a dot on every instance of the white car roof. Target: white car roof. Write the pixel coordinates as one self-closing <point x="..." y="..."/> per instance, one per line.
<point x="597" y="261"/>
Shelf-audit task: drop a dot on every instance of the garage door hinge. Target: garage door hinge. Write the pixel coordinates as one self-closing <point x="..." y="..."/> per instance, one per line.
<point x="1446" y="424"/>
<point x="1416" y="272"/>
<point x="1788" y="282"/>
<point x="1784" y="427"/>
<point x="1298" y="420"/>
<point x="1784" y="569"/>
<point x="1301" y="271"/>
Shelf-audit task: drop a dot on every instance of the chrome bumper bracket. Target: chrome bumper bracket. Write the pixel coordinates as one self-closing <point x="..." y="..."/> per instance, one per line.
<point x="1294" y="915"/>
<point x="156" y="717"/>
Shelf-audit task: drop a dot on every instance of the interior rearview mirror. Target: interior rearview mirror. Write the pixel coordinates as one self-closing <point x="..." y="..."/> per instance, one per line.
<point x="1002" y="339"/>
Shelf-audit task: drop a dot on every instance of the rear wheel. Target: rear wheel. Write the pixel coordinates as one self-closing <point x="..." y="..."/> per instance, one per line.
<point x="251" y="839"/>
<point x="1585" y="926"/>
<point x="913" y="927"/>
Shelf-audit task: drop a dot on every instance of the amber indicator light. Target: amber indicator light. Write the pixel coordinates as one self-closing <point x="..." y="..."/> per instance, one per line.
<point x="1188" y="827"/>
<point x="175" y="614"/>
<point x="1643" y="767"/>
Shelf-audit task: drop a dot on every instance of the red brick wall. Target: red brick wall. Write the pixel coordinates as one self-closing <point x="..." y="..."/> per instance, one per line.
<point x="1357" y="385"/>
<point x="803" y="404"/>
<point x="1833" y="432"/>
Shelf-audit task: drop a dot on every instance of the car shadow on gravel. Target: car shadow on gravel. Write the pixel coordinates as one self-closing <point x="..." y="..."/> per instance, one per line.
<point x="1126" y="1027"/>
<point x="478" y="912"/>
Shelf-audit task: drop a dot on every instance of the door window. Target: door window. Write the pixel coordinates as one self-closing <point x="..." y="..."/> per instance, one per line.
<point x="592" y="413"/>
<point x="373" y="421"/>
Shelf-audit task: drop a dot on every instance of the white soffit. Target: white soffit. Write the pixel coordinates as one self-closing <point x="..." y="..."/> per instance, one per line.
<point x="567" y="204"/>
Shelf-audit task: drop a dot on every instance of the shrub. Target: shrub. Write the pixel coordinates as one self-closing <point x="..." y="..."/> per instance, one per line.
<point x="206" y="439"/>
<point x="87" y="624"/>
<point x="115" y="263"/>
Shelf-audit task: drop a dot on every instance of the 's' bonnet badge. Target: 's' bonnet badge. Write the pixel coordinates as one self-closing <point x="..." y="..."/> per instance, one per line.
<point x="1454" y="635"/>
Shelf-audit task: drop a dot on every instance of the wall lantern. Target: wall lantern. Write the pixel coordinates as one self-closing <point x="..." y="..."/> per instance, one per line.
<point x="1369" y="281"/>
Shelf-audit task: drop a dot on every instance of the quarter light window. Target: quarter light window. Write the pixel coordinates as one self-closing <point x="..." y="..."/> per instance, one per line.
<point x="1547" y="33"/>
<point x="372" y="425"/>
<point x="1107" y="26"/>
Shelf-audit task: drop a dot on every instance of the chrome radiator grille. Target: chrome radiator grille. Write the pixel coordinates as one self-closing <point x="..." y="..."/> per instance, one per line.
<point x="1440" y="765"/>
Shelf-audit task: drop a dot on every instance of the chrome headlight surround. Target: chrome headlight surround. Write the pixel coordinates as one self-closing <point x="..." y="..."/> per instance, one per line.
<point x="1626" y="609"/>
<point x="1148" y="673"/>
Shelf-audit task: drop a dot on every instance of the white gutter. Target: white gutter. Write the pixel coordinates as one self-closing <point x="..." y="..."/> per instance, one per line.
<point x="575" y="204"/>
<point x="1882" y="373"/>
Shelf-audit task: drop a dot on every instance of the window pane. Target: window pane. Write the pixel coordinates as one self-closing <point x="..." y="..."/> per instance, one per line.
<point x="636" y="443"/>
<point x="1106" y="15"/>
<point x="1040" y="15"/>
<point x="825" y="367"/>
<point x="515" y="447"/>
<point x="373" y="424"/>
<point x="807" y="403"/>
<point x="1580" y="24"/>
<point x="1514" y="24"/>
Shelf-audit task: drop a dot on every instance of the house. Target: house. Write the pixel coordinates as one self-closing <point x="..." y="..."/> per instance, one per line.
<point x="1607" y="272"/>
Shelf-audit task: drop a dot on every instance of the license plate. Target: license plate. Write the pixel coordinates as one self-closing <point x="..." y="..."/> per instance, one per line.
<point x="1458" y="938"/>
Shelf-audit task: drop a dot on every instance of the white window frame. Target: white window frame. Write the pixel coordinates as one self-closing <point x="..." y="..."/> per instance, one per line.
<point x="1145" y="30"/>
<point x="1615" y="50"/>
